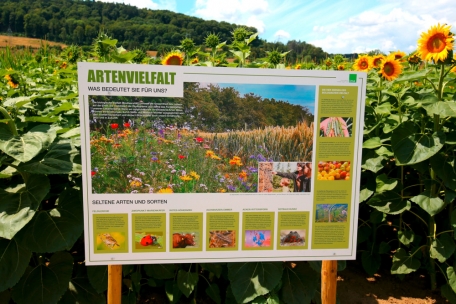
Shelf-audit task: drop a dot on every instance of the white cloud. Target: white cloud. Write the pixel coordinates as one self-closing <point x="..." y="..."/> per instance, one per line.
<point x="150" y="4"/>
<point x="242" y="12"/>
<point x="282" y="35"/>
<point x="256" y="23"/>
<point x="389" y="30"/>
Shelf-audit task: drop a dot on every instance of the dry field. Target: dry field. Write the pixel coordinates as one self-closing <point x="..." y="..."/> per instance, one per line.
<point x="23" y="41"/>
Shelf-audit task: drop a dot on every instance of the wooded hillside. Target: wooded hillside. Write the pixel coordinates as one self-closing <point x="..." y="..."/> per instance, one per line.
<point x="79" y="22"/>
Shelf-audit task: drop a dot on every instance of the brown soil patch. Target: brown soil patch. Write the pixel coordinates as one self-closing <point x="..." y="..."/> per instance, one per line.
<point x="35" y="43"/>
<point x="354" y="286"/>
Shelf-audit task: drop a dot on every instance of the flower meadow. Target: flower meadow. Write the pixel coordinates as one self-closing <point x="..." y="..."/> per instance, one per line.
<point x="407" y="217"/>
<point x="168" y="160"/>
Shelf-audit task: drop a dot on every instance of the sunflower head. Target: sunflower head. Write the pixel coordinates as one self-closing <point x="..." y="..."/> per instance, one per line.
<point x="173" y="58"/>
<point x="187" y="44"/>
<point x="212" y="40"/>
<point x="414" y="59"/>
<point x="390" y="68"/>
<point x="340" y="67"/>
<point x="194" y="60"/>
<point x="436" y="43"/>
<point x="377" y="60"/>
<point x="328" y="62"/>
<point x="298" y="66"/>
<point x="363" y="63"/>
<point x="398" y="55"/>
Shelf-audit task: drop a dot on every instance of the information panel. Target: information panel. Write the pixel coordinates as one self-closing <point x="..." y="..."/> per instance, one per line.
<point x="198" y="164"/>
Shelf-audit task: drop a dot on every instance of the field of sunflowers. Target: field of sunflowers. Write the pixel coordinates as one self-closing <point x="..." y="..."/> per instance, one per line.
<point x="407" y="221"/>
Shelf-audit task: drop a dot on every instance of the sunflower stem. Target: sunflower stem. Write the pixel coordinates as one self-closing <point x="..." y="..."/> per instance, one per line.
<point x="440" y="85"/>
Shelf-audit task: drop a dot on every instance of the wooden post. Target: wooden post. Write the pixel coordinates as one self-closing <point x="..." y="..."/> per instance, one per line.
<point x="114" y="284"/>
<point x="328" y="282"/>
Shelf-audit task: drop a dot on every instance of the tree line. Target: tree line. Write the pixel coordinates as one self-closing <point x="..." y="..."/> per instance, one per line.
<point x="79" y="22"/>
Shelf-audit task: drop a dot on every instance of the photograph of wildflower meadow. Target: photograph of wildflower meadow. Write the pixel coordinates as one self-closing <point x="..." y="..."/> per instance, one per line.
<point x="209" y="141"/>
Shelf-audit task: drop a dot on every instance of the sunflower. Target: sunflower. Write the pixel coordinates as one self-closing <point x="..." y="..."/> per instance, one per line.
<point x="377" y="60"/>
<point x="328" y="62"/>
<point x="173" y="58"/>
<point x="399" y="55"/>
<point x="340" y="67"/>
<point x="194" y="60"/>
<point x="298" y="66"/>
<point x="453" y="70"/>
<point x="435" y="44"/>
<point x="362" y="63"/>
<point x="390" y="68"/>
<point x="414" y="59"/>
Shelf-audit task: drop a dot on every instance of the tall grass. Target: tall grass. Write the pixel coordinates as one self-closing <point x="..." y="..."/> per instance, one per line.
<point x="268" y="144"/>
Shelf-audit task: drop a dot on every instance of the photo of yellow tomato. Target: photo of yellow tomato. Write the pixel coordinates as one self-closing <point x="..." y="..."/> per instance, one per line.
<point x="333" y="170"/>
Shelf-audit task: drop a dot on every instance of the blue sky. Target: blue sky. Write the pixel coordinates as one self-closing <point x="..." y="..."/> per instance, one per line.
<point x="303" y="95"/>
<point x="337" y="26"/>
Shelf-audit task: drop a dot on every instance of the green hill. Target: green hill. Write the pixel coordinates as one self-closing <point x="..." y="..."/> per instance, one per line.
<point x="79" y="22"/>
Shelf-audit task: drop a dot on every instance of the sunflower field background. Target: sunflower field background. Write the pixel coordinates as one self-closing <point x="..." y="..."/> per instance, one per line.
<point x="407" y="219"/>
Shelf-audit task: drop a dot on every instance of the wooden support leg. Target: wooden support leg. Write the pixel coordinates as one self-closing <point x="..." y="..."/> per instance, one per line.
<point x="114" y="284"/>
<point x="328" y="282"/>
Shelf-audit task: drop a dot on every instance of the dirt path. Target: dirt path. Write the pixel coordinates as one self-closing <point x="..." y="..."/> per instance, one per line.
<point x="355" y="287"/>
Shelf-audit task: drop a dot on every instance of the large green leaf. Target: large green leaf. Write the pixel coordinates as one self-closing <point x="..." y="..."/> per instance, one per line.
<point x="442" y="108"/>
<point x="172" y="291"/>
<point x="45" y="119"/>
<point x="376" y="217"/>
<point x="443" y="166"/>
<point x="384" y="183"/>
<point x="45" y="284"/>
<point x="451" y="277"/>
<point x="98" y="277"/>
<point x="403" y="263"/>
<point x="372" y="143"/>
<point x="13" y="262"/>
<point x="71" y="133"/>
<point x="215" y="268"/>
<point x="56" y="229"/>
<point x="448" y="293"/>
<point x="81" y="292"/>
<point x="389" y="202"/>
<point x="406" y="237"/>
<point x="442" y="247"/>
<point x="371" y="262"/>
<point x="18" y="205"/>
<point x="58" y="160"/>
<point x="453" y="222"/>
<point x="160" y="271"/>
<point x="26" y="147"/>
<point x="299" y="284"/>
<point x="249" y="280"/>
<point x="66" y="106"/>
<point x="372" y="161"/>
<point x="412" y="75"/>
<point x="19" y="101"/>
<point x="186" y="281"/>
<point x="410" y="146"/>
<point x="213" y="292"/>
<point x="430" y="204"/>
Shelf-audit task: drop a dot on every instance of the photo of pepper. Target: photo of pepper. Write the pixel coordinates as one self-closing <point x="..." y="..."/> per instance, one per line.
<point x="336" y="126"/>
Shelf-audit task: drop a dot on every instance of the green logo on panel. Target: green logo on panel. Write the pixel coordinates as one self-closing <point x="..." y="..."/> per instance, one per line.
<point x="352" y="78"/>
